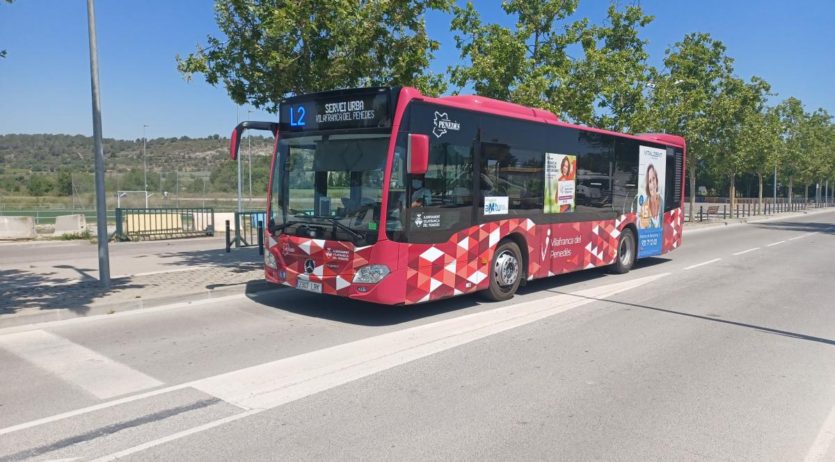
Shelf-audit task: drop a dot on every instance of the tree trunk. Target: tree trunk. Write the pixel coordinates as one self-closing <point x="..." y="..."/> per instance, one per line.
<point x="760" y="196"/>
<point x="806" y="193"/>
<point x="732" y="191"/>
<point x="791" y="189"/>
<point x="692" y="192"/>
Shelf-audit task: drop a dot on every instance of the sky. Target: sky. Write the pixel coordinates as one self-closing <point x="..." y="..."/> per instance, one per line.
<point x="45" y="78"/>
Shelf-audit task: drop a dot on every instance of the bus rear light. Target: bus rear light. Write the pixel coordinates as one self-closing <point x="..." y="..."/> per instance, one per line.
<point x="371" y="274"/>
<point x="269" y="260"/>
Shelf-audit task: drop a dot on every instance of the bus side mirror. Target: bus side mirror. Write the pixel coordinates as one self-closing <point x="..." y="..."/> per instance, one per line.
<point x="418" y="154"/>
<point x="235" y="141"/>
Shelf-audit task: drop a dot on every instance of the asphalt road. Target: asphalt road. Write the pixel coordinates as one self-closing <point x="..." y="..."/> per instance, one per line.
<point x="721" y="350"/>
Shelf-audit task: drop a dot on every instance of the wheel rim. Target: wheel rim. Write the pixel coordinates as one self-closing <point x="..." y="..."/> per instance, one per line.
<point x="625" y="251"/>
<point x="506" y="269"/>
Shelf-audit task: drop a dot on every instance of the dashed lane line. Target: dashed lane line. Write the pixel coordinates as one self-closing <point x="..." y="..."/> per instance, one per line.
<point x="702" y="264"/>
<point x="775" y="243"/>
<point x="823" y="442"/>
<point x="746" y="251"/>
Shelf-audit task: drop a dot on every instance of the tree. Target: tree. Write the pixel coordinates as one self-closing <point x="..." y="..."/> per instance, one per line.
<point x="63" y="183"/>
<point x="685" y="90"/>
<point x="526" y="64"/>
<point x="761" y="141"/>
<point x="39" y="185"/>
<point x="274" y="48"/>
<point x="735" y="114"/>
<point x="816" y="148"/>
<point x="607" y="87"/>
<point x="792" y="118"/>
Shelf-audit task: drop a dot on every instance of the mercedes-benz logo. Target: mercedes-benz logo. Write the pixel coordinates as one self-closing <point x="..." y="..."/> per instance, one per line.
<point x="309" y="266"/>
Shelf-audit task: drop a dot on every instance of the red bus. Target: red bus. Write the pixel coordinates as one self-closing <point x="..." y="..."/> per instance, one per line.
<point x="393" y="197"/>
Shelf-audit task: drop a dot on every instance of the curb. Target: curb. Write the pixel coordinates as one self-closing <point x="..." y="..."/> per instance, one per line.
<point x="60" y="314"/>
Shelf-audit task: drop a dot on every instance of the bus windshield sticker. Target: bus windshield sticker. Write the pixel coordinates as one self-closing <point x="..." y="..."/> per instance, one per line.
<point x="425" y="220"/>
<point x="443" y="124"/>
<point x="559" y="182"/>
<point x="496" y="205"/>
<point x="649" y="202"/>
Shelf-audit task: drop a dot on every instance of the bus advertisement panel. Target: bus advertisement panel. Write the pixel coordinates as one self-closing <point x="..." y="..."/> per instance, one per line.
<point x="650" y="200"/>
<point x="559" y="182"/>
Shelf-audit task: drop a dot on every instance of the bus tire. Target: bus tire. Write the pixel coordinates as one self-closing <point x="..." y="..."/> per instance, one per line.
<point x="505" y="272"/>
<point x="626" y="252"/>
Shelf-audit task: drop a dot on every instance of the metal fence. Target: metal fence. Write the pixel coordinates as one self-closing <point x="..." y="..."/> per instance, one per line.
<point x="748" y="208"/>
<point x="163" y="223"/>
<point x="247" y="226"/>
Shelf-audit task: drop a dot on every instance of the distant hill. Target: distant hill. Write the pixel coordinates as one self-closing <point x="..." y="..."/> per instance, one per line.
<point x="46" y="164"/>
<point x="53" y="153"/>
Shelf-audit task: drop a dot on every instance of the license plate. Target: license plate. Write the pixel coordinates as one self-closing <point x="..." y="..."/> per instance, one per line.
<point x="309" y="286"/>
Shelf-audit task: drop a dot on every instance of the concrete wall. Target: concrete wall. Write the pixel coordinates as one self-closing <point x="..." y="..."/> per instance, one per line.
<point x="17" y="227"/>
<point x="220" y="222"/>
<point x="70" y="224"/>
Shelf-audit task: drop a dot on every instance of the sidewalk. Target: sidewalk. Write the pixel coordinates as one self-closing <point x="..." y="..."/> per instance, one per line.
<point x="41" y="282"/>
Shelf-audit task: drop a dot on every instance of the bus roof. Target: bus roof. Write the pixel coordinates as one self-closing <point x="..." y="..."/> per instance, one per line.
<point x="498" y="107"/>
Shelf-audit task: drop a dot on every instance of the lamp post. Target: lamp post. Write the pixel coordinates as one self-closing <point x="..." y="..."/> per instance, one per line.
<point x="101" y="203"/>
<point x="238" y="162"/>
<point x="145" y="164"/>
<point x="249" y="143"/>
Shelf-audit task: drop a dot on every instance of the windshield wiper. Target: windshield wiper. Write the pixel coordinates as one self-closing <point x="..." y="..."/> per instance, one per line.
<point x="336" y="224"/>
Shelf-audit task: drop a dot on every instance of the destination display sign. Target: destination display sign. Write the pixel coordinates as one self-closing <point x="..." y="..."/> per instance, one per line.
<point x="336" y="111"/>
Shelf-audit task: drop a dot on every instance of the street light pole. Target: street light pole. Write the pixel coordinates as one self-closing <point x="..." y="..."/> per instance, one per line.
<point x="101" y="202"/>
<point x="249" y="142"/>
<point x="240" y="203"/>
<point x="145" y="164"/>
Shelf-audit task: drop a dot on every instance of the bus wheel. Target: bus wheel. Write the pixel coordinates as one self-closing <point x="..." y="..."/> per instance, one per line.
<point x="626" y="252"/>
<point x="505" y="272"/>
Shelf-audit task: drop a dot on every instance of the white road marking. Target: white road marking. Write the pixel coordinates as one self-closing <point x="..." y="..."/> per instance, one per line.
<point x="272" y="384"/>
<point x="746" y="251"/>
<point x="120" y="314"/>
<point x="823" y="441"/>
<point x="702" y="264"/>
<point x="178" y="435"/>
<point x="775" y="243"/>
<point x="802" y="236"/>
<point x="93" y="372"/>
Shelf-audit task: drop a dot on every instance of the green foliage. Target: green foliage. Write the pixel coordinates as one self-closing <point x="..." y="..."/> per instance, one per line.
<point x="274" y="48"/>
<point x="525" y="64"/>
<point x="63" y="183"/>
<point x="64" y="162"/>
<point x="39" y="185"/>
<point x="608" y="87"/>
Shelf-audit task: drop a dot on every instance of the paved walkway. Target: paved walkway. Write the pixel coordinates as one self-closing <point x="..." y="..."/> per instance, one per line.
<point x="48" y="281"/>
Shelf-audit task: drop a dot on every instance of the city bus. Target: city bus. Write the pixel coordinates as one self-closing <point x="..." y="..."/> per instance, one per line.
<point x="393" y="197"/>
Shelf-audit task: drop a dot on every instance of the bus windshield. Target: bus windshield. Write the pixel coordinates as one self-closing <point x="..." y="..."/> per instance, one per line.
<point x="329" y="186"/>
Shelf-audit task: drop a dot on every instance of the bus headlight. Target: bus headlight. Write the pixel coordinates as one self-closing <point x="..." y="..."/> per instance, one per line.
<point x="269" y="259"/>
<point x="371" y="274"/>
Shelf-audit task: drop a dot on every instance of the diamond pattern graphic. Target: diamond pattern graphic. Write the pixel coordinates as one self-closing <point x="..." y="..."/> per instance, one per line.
<point x="462" y="264"/>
